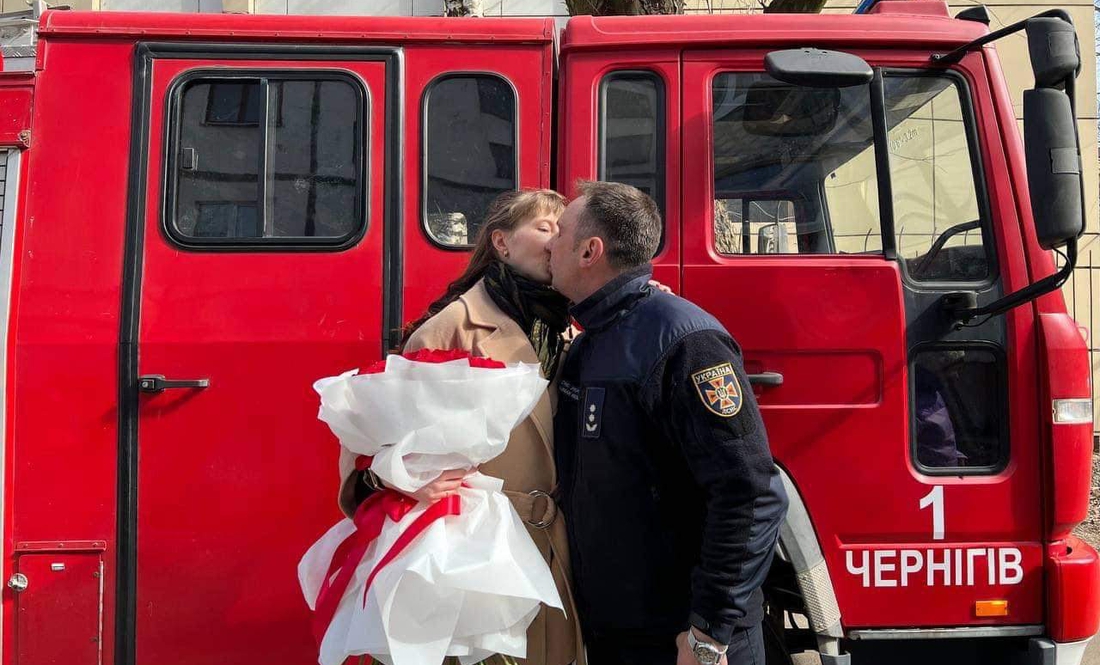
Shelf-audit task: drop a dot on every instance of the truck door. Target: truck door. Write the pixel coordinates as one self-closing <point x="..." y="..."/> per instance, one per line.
<point x="477" y="124"/>
<point x="826" y="253"/>
<point x="255" y="268"/>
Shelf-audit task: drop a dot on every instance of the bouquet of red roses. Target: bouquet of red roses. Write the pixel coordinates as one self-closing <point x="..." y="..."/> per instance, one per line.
<point x="411" y="583"/>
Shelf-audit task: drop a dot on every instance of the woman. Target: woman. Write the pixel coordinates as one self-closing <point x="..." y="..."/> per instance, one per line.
<point x="502" y="307"/>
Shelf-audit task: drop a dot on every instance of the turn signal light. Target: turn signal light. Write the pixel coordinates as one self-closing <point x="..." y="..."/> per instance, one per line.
<point x="1073" y="411"/>
<point x="991" y="608"/>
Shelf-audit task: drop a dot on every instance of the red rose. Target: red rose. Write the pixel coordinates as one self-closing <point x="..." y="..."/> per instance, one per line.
<point x="437" y="356"/>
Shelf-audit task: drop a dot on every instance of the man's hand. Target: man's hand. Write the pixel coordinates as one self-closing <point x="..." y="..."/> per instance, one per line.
<point x="659" y="286"/>
<point x="684" y="656"/>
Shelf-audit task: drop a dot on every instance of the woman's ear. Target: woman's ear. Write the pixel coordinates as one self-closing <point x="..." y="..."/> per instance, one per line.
<point x="497" y="238"/>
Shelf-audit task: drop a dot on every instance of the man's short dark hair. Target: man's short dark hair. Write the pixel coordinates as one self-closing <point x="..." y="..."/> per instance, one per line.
<point x="624" y="217"/>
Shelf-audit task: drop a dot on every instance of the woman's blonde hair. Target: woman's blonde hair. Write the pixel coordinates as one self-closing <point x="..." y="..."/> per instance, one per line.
<point x="505" y="213"/>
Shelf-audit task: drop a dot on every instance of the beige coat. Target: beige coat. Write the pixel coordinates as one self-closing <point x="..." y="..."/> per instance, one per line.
<point x="474" y="323"/>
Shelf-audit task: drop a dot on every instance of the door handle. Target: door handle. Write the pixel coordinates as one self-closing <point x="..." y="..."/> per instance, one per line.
<point x="766" y="379"/>
<point x="156" y="383"/>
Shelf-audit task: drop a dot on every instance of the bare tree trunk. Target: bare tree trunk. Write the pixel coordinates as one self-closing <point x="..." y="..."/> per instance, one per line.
<point x="624" y="7"/>
<point x="794" y="7"/>
<point x="462" y="8"/>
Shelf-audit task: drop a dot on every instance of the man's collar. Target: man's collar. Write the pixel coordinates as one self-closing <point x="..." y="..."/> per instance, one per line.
<point x="601" y="307"/>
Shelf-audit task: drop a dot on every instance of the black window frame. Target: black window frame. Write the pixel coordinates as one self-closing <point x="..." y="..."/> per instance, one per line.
<point x="981" y="189"/>
<point x="172" y="140"/>
<point x="425" y="101"/>
<point x="660" y="130"/>
<point x="1004" y="452"/>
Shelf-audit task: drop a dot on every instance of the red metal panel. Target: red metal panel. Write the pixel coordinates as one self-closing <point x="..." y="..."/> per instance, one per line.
<point x="59" y="613"/>
<point x="772" y="31"/>
<point x="297" y="29"/>
<point x="1066" y="375"/>
<point x="237" y="480"/>
<point x="63" y="338"/>
<point x="16" y="93"/>
<point x="1073" y="570"/>
<point x="428" y="268"/>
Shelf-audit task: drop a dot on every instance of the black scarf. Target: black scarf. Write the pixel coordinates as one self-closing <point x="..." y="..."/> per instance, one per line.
<point x="540" y="311"/>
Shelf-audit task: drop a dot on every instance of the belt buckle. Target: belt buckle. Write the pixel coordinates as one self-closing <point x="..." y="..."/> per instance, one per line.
<point x="543" y="523"/>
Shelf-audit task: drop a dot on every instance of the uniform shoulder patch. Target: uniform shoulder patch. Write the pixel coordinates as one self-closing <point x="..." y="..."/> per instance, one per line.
<point x="719" y="389"/>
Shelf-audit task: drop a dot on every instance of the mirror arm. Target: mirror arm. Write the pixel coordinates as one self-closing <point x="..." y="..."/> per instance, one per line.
<point x="957" y="54"/>
<point x="1030" y="292"/>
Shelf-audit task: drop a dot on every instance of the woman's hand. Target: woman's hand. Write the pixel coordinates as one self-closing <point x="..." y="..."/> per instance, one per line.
<point x="445" y="485"/>
<point x="659" y="286"/>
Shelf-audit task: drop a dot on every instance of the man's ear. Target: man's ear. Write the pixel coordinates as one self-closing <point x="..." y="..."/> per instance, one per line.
<point x="592" y="250"/>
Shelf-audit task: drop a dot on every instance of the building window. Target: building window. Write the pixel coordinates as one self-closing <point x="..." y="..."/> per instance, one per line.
<point x="274" y="159"/>
<point x="471" y="153"/>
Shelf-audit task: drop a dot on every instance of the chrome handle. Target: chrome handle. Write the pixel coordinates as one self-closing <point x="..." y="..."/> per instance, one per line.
<point x="17" y="582"/>
<point x="156" y="383"/>
<point x="766" y="379"/>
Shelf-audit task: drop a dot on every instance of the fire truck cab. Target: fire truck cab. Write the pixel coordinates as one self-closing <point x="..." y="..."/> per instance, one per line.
<point x="255" y="202"/>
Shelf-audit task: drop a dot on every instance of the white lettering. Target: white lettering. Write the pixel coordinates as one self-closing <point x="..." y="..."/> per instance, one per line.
<point x="882" y="567"/>
<point x="950" y="566"/>
<point x="971" y="554"/>
<point x="911" y="562"/>
<point x="1011" y="571"/>
<point x="864" y="569"/>
<point x="935" y="499"/>
<point x="944" y="567"/>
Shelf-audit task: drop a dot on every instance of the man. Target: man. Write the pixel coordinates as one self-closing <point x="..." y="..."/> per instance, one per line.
<point x="671" y="498"/>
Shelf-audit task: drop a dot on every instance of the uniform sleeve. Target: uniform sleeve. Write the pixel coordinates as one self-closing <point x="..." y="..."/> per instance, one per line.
<point x="705" y="400"/>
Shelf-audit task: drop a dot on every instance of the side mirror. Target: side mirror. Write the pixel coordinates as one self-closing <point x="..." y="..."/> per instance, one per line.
<point x="1054" y="50"/>
<point x="772" y="239"/>
<point x="1053" y="167"/>
<point x="1050" y="132"/>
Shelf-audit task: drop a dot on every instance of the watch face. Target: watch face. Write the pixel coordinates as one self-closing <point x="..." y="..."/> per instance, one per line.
<point x="705" y="655"/>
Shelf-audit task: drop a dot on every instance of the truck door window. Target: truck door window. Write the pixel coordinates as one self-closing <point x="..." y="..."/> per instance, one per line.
<point x="267" y="160"/>
<point x="937" y="221"/>
<point x="632" y="130"/>
<point x="804" y="160"/>
<point x="470" y="153"/>
<point x="958" y="414"/>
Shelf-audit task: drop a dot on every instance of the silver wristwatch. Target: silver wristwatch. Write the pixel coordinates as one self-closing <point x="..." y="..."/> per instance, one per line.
<point x="704" y="652"/>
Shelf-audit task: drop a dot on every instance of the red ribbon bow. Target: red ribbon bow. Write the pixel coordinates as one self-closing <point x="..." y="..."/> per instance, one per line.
<point x="369" y="519"/>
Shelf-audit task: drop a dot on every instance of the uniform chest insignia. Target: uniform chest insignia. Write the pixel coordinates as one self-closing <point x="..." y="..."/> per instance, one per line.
<point x="719" y="389"/>
<point x="592" y="414"/>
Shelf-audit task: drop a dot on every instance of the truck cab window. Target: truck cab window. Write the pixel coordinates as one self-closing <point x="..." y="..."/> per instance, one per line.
<point x="267" y="160"/>
<point x="632" y="130"/>
<point x="470" y="153"/>
<point x="791" y="175"/>
<point x="940" y="235"/>
<point x="958" y="415"/>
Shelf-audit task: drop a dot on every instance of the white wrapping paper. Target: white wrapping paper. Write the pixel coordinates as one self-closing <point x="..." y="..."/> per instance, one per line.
<point x="468" y="586"/>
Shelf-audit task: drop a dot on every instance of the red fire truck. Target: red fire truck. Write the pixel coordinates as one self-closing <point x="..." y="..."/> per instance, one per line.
<point x="202" y="214"/>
